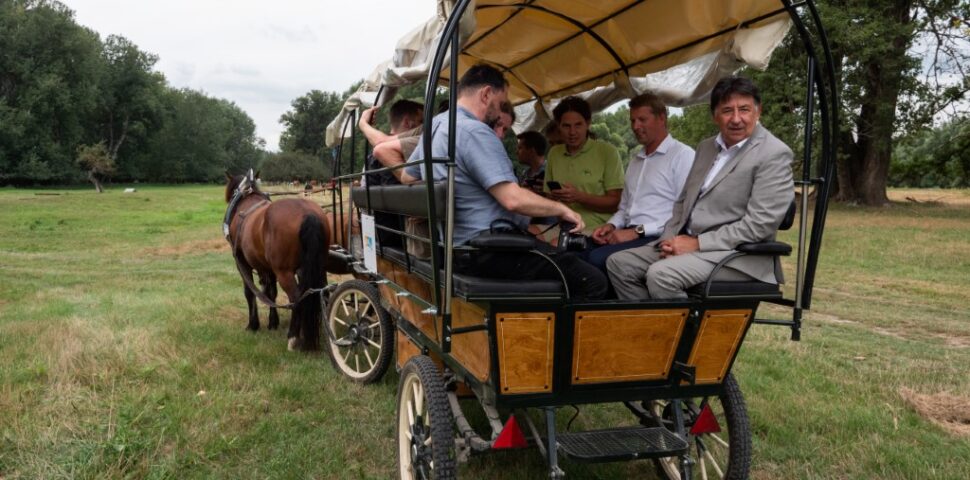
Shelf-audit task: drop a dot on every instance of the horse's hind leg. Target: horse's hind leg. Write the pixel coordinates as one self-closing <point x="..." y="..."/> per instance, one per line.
<point x="288" y="282"/>
<point x="269" y="289"/>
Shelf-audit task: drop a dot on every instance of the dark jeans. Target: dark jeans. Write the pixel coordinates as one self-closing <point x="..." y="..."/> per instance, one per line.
<point x="585" y="281"/>
<point x="598" y="254"/>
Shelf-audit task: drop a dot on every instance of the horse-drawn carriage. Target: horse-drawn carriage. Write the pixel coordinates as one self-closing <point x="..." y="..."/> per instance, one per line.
<point x="526" y="346"/>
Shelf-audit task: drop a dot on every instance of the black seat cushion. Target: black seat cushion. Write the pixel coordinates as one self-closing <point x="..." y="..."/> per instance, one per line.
<point x="737" y="288"/>
<point x="468" y="286"/>
<point x="410" y="200"/>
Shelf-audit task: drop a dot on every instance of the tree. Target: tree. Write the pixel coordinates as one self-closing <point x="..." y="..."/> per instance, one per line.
<point x="97" y="161"/>
<point x="199" y="138"/>
<point x="306" y="124"/>
<point x="899" y="63"/>
<point x="615" y="129"/>
<point x="934" y="158"/>
<point x="129" y="94"/>
<point x="287" y="166"/>
<point x="50" y="69"/>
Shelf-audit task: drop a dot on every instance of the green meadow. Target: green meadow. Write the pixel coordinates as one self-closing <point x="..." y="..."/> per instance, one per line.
<point x="123" y="354"/>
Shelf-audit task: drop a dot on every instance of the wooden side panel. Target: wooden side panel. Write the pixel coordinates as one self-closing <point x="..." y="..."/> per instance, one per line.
<point x="717" y="341"/>
<point x="405" y="349"/>
<point x="391" y="272"/>
<point x="625" y="345"/>
<point x="525" y="351"/>
<point x="470" y="349"/>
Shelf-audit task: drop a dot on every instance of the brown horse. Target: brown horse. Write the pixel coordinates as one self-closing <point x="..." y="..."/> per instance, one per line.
<point x="284" y="241"/>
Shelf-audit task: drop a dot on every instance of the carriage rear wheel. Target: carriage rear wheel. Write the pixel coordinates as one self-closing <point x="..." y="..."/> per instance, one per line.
<point x="359" y="331"/>
<point x="725" y="454"/>
<point x="425" y="431"/>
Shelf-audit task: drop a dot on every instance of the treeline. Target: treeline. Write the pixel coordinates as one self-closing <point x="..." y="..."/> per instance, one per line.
<point x="74" y="106"/>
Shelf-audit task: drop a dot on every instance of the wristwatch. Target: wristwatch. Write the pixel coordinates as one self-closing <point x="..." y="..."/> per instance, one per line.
<point x="640" y="232"/>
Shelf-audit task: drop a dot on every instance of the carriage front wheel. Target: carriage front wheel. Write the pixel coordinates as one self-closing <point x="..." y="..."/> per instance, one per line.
<point x="360" y="335"/>
<point x="721" y="449"/>
<point x="425" y="431"/>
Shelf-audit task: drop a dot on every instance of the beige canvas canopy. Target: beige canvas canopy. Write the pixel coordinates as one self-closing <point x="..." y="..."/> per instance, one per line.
<point x="602" y="50"/>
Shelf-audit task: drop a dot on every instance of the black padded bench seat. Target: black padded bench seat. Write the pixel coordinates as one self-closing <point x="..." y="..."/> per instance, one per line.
<point x="730" y="289"/>
<point x="469" y="287"/>
<point x="410" y="200"/>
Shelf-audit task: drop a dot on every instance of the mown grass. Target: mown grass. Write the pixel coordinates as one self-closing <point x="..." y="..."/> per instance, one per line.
<point x="123" y="354"/>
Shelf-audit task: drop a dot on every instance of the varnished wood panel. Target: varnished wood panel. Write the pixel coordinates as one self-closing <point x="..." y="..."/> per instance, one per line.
<point x="625" y="345"/>
<point x="717" y="341"/>
<point x="470" y="349"/>
<point x="405" y="349"/>
<point x="390" y="272"/>
<point x="525" y="351"/>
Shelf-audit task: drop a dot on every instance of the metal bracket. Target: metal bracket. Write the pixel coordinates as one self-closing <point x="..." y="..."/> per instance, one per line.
<point x="682" y="371"/>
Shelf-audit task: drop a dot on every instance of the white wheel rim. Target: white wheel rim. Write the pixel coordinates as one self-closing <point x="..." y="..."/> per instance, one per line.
<point x="412" y="409"/>
<point x="710" y="450"/>
<point x="353" y="315"/>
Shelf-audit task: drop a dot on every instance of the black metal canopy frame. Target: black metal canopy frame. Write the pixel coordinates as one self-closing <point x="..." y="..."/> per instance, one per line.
<point x="820" y="90"/>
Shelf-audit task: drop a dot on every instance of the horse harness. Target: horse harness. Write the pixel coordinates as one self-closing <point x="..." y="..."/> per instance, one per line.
<point x="244" y="189"/>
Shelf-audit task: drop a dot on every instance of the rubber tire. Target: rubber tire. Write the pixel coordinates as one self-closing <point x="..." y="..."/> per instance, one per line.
<point x="439" y="414"/>
<point x="383" y="361"/>
<point x="739" y="436"/>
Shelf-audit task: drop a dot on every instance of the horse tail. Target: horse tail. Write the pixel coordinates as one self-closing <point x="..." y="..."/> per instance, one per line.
<point x="312" y="275"/>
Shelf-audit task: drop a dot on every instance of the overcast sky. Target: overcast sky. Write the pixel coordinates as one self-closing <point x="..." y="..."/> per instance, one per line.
<point x="260" y="55"/>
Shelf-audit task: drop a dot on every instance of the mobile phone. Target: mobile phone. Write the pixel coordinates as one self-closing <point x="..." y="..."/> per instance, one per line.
<point x="553" y="185"/>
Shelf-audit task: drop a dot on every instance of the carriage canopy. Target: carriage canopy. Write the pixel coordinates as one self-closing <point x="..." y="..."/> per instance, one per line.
<point x="602" y="50"/>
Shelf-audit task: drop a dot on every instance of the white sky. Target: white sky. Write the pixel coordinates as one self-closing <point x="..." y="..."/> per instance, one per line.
<point x="260" y="55"/>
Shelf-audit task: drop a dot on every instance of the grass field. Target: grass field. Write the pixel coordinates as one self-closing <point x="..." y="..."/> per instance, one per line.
<point x="123" y="354"/>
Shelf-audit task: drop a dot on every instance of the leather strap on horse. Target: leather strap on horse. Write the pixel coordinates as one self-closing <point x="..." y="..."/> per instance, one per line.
<point x="248" y="278"/>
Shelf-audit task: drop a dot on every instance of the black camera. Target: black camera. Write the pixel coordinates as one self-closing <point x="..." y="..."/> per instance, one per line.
<point x="571" y="242"/>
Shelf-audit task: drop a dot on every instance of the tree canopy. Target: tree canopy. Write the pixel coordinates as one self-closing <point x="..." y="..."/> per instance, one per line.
<point x="72" y="104"/>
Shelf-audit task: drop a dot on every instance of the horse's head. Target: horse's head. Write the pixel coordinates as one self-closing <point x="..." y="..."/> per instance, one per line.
<point x="248" y="184"/>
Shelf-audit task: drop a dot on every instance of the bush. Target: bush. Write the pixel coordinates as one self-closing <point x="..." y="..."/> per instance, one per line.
<point x="934" y="158"/>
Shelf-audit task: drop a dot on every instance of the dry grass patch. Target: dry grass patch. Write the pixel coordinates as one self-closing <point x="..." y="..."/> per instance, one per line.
<point x="946" y="410"/>
<point x="947" y="197"/>
<point x="196" y="247"/>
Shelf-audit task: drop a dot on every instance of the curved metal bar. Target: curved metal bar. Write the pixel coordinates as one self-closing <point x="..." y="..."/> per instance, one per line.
<point x="829" y="117"/>
<point x="668" y="52"/>
<point x="450" y="30"/>
<point x="576" y="23"/>
<point x="828" y="172"/>
<point x="717" y="268"/>
<point x="496" y="27"/>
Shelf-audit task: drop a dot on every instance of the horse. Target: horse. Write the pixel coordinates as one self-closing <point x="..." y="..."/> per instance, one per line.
<point x="285" y="241"/>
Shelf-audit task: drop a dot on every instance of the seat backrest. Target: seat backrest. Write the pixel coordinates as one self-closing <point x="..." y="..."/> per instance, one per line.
<point x="410" y="200"/>
<point x="789" y="219"/>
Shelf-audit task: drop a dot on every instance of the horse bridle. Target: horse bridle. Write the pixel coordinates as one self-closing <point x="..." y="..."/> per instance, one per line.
<point x="245" y="187"/>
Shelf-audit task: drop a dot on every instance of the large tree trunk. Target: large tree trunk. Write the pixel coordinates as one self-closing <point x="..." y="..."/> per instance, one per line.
<point x="863" y="169"/>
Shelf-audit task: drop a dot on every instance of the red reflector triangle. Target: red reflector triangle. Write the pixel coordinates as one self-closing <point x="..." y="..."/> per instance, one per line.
<point x="511" y="436"/>
<point x="706" y="423"/>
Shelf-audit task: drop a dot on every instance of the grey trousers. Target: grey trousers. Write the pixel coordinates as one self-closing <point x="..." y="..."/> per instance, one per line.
<point x="639" y="273"/>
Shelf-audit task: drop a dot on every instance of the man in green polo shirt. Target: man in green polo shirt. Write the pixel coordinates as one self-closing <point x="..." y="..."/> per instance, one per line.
<point x="588" y="172"/>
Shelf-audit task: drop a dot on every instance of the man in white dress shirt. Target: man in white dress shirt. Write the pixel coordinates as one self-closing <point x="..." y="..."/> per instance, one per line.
<point x="654" y="179"/>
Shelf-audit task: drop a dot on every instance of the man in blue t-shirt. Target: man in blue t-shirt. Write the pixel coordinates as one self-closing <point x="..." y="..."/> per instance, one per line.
<point x="487" y="190"/>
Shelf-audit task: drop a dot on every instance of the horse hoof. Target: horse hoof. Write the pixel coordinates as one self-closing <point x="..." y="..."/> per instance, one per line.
<point x="293" y="344"/>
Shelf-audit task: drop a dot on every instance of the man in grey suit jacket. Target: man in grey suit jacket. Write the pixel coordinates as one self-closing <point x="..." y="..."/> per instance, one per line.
<point x="737" y="191"/>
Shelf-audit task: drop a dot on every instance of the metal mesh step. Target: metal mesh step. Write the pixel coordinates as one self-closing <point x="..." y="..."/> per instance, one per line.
<point x="620" y="444"/>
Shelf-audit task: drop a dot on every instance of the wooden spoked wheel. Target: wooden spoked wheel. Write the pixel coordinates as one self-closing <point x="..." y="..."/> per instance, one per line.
<point x="725" y="454"/>
<point x="425" y="425"/>
<point x="359" y="331"/>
